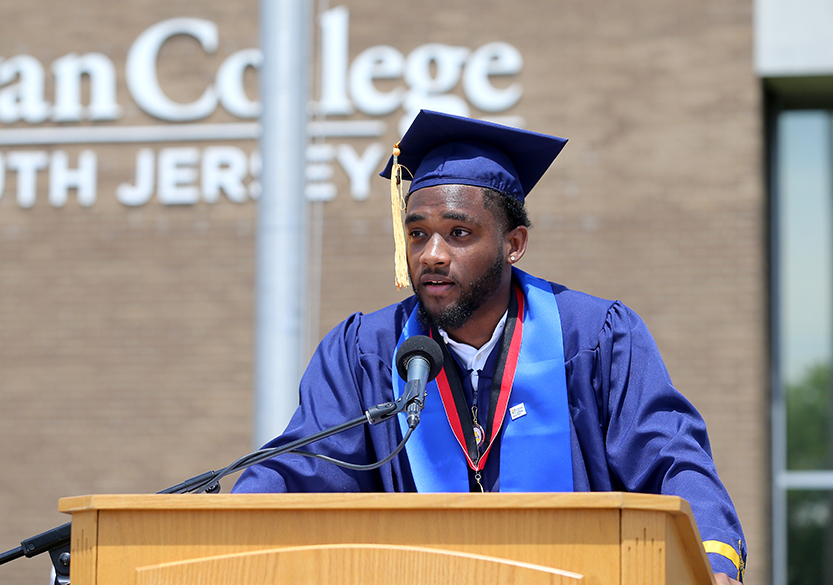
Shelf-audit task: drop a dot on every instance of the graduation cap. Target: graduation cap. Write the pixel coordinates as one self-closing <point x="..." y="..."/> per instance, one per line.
<point x="442" y="149"/>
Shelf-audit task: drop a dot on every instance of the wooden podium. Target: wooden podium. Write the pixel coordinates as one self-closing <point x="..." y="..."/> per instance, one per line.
<point x="368" y="539"/>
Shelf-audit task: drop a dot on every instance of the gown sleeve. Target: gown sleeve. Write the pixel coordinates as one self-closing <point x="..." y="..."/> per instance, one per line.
<point x="346" y="376"/>
<point x="633" y="431"/>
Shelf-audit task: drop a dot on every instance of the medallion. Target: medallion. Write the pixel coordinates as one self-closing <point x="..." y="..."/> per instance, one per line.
<point x="479" y="435"/>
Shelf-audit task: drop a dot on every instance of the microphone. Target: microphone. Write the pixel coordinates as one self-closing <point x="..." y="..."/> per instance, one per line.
<point x="418" y="361"/>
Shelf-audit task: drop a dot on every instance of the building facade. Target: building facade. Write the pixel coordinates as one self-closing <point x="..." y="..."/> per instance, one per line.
<point x="129" y="178"/>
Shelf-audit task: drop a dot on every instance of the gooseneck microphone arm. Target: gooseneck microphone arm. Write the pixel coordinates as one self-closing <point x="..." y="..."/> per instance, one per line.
<point x="57" y="540"/>
<point x="208" y="482"/>
<point x="418" y="361"/>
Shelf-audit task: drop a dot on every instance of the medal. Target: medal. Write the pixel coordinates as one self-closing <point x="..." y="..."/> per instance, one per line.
<point x="479" y="432"/>
<point x="479" y="435"/>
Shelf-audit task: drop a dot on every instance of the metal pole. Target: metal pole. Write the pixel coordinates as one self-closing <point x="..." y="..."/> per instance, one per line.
<point x="285" y="37"/>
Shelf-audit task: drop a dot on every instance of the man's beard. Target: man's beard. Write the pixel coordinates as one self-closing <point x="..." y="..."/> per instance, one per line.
<point x="475" y="296"/>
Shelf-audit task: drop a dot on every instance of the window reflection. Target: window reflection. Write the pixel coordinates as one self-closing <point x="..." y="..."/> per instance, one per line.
<point x="809" y="537"/>
<point x="805" y="228"/>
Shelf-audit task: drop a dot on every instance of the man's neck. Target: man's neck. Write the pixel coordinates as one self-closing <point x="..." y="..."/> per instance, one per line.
<point x="478" y="330"/>
<point x="470" y="355"/>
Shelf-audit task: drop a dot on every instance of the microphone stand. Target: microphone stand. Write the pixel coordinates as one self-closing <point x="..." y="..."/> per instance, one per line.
<point x="57" y="540"/>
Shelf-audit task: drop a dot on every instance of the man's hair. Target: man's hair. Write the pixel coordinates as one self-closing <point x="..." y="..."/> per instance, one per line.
<point x="507" y="209"/>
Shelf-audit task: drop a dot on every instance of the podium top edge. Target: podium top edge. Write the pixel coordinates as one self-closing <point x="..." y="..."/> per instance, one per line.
<point x="369" y="501"/>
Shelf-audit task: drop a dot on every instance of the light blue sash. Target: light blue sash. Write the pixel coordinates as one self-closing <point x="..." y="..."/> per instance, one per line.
<point x="535" y="453"/>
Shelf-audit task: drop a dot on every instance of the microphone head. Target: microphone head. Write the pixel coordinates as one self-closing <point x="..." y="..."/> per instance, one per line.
<point x="419" y="346"/>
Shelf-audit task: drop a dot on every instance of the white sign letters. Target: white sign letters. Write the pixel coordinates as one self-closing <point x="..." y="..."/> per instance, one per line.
<point x="379" y="81"/>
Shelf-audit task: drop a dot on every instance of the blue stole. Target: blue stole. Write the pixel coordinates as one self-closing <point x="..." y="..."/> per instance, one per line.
<point x="535" y="451"/>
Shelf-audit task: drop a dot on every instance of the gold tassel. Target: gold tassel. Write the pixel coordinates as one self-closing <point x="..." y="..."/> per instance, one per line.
<point x="397" y="206"/>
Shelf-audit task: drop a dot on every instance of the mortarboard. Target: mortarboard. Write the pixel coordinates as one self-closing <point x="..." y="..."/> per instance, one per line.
<point x="442" y="149"/>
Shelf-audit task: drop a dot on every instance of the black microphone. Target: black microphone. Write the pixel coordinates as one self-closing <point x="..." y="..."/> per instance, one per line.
<point x="418" y="361"/>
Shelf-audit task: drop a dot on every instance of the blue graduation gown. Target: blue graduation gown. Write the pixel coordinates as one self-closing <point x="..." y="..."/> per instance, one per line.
<point x="631" y="430"/>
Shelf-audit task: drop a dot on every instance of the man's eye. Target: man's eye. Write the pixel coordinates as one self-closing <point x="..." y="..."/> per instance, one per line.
<point x="458" y="233"/>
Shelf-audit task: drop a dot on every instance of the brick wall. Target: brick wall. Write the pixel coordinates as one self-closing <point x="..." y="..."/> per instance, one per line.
<point x="126" y="332"/>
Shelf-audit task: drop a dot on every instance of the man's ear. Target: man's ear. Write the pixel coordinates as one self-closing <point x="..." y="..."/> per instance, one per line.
<point x="515" y="243"/>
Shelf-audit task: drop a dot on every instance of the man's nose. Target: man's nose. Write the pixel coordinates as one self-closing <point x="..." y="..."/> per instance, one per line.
<point x="435" y="252"/>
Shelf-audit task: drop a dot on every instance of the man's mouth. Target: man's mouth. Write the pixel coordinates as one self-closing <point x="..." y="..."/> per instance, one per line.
<point x="436" y="284"/>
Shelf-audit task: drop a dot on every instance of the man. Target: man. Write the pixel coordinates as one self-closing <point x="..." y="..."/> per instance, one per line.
<point x="542" y="389"/>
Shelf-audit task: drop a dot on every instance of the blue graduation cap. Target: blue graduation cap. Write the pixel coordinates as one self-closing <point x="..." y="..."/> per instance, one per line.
<point x="442" y="149"/>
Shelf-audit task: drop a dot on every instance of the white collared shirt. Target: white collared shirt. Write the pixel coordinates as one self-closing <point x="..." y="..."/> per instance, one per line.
<point x="472" y="358"/>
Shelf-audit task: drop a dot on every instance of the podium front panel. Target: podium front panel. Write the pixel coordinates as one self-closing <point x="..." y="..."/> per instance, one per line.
<point x="578" y="533"/>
